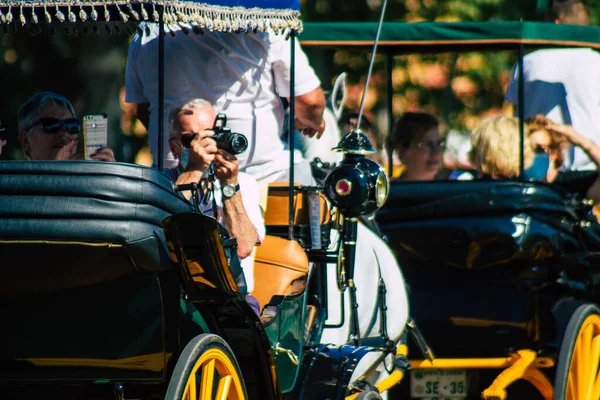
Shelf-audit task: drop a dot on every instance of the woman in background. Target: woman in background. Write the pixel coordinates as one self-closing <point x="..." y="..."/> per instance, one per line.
<point x="548" y="148"/>
<point x="417" y="141"/>
<point x="496" y="148"/>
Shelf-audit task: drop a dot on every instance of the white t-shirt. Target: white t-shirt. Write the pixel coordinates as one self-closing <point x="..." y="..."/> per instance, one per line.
<point x="241" y="75"/>
<point x="564" y="85"/>
<point x="250" y="199"/>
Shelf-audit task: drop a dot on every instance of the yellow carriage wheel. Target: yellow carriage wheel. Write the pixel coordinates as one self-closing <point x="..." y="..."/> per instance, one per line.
<point x="577" y="369"/>
<point x="206" y="370"/>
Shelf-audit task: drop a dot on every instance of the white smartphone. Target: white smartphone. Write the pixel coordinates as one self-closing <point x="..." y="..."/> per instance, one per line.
<point x="95" y="133"/>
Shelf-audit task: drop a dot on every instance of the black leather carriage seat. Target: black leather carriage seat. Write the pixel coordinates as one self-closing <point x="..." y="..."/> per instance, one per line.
<point x="69" y="224"/>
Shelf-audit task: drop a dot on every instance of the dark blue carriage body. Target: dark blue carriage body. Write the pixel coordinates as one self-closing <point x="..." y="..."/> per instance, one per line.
<point x="488" y="264"/>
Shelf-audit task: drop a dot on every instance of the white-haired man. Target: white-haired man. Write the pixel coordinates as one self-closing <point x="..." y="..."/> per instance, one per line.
<point x="236" y="199"/>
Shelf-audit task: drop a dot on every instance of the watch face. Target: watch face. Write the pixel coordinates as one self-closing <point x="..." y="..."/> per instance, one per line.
<point x="228" y="190"/>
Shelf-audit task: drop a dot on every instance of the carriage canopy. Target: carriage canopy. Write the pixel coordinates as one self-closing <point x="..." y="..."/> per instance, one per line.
<point x="438" y="37"/>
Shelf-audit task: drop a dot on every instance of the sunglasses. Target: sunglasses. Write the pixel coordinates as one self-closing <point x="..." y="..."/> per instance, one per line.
<point x="432" y="146"/>
<point x="53" y="125"/>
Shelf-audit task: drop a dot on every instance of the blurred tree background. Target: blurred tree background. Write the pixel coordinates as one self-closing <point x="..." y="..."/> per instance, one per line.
<point x="457" y="88"/>
<point x="89" y="68"/>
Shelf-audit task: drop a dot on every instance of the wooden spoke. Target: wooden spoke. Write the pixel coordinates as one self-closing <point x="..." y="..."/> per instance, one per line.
<point x="208" y="377"/>
<point x="216" y="377"/>
<point x="223" y="389"/>
<point x="584" y="382"/>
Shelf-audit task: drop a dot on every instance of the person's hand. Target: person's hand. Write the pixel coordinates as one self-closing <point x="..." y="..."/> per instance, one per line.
<point x="227" y="167"/>
<point x="564" y="130"/>
<point x="2" y="144"/>
<point x="103" y="154"/>
<point x="69" y="151"/>
<point x="307" y="128"/>
<point x="202" y="151"/>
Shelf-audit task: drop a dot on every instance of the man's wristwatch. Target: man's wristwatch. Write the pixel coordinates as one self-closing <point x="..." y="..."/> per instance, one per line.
<point x="229" y="190"/>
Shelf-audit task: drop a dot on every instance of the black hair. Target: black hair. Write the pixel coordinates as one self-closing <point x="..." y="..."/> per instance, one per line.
<point x="410" y="127"/>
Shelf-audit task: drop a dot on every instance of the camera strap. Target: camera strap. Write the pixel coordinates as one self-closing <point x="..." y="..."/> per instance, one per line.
<point x="208" y="202"/>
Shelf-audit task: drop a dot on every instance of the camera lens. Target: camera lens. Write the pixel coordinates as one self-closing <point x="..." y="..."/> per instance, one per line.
<point x="238" y="143"/>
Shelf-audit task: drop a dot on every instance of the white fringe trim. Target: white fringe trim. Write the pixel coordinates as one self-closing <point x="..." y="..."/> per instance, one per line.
<point x="211" y="17"/>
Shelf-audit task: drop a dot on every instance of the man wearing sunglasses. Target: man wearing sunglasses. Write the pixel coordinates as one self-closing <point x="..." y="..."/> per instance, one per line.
<point x="235" y="200"/>
<point x="48" y="130"/>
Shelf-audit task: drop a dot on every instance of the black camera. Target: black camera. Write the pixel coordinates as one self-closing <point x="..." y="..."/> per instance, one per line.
<point x="234" y="143"/>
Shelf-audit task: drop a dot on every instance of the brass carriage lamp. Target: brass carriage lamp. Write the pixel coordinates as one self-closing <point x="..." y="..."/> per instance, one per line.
<point x="358" y="185"/>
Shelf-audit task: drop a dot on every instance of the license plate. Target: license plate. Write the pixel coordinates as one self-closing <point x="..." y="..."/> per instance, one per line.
<point x="439" y="384"/>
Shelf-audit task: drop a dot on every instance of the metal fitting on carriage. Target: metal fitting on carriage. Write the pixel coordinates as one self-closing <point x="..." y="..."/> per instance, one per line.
<point x="119" y="391"/>
<point x="420" y="340"/>
<point x="401" y="363"/>
<point x="587" y="202"/>
<point x="362" y="386"/>
<point x="293" y="357"/>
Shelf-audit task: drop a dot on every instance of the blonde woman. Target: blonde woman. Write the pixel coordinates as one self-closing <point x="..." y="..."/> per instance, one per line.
<point x="496" y="148"/>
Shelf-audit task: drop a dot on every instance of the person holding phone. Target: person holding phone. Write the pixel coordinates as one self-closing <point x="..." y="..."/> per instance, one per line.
<point x="49" y="130"/>
<point x="234" y="200"/>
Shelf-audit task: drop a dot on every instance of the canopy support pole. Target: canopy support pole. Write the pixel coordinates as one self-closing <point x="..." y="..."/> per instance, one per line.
<point x="161" y="86"/>
<point x="291" y="130"/>
<point x="521" y="112"/>
<point x="390" y="110"/>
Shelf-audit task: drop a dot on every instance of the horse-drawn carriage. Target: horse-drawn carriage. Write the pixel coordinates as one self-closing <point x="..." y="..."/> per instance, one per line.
<point x="114" y="285"/>
<point x="502" y="275"/>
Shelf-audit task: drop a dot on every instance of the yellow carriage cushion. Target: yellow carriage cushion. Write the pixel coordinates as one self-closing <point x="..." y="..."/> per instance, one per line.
<point x="277" y="209"/>
<point x="277" y="264"/>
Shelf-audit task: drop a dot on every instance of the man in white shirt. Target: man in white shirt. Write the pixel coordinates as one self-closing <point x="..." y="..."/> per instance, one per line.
<point x="236" y="193"/>
<point x="563" y="84"/>
<point x="241" y="75"/>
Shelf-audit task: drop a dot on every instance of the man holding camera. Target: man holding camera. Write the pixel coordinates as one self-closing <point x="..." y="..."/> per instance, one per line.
<point x="235" y="202"/>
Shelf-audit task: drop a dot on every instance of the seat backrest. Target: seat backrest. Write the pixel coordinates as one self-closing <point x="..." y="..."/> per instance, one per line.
<point x="277" y="264"/>
<point x="477" y="224"/>
<point x="277" y="212"/>
<point x="68" y="224"/>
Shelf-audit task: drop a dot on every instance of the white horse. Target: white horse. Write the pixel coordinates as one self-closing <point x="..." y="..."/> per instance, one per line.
<point x="374" y="260"/>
